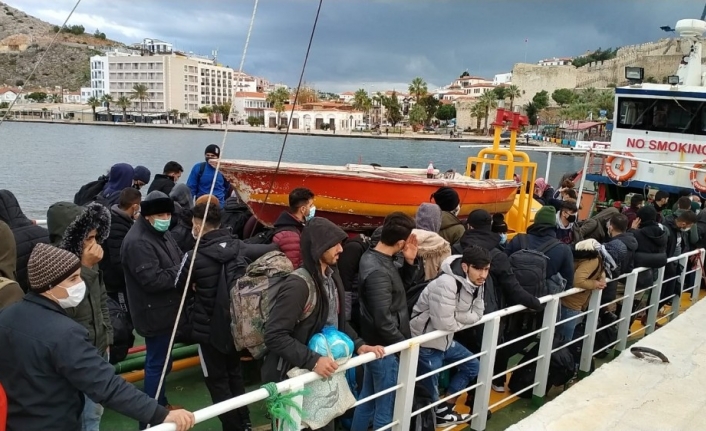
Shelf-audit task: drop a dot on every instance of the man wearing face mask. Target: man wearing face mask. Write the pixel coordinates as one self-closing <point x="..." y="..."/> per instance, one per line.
<point x="165" y="181"/>
<point x="289" y="224"/>
<point x="50" y="351"/>
<point x="201" y="177"/>
<point x="151" y="260"/>
<point x="566" y="229"/>
<point x="451" y="227"/>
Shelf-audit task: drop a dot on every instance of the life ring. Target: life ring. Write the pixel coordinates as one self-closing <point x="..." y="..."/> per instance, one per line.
<point x="693" y="177"/>
<point x="614" y="175"/>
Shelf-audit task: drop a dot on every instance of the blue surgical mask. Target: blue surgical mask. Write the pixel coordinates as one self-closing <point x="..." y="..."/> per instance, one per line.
<point x="503" y="238"/>
<point x="162" y="225"/>
<point x="312" y="212"/>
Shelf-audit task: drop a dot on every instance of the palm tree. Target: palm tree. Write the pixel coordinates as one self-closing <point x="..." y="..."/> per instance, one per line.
<point x="418" y="88"/>
<point x="93" y="102"/>
<point x="55" y="98"/>
<point x="362" y="102"/>
<point x="477" y="112"/>
<point x="277" y="99"/>
<point x="124" y="102"/>
<point x="174" y="113"/>
<point x="107" y="99"/>
<point x="141" y="93"/>
<point x="513" y="92"/>
<point x="488" y="101"/>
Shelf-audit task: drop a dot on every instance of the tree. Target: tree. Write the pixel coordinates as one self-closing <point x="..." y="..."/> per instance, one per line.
<point x="37" y="96"/>
<point x="488" y="102"/>
<point x="500" y="93"/>
<point x="418" y="88"/>
<point x="174" y="113"/>
<point x="141" y="93"/>
<point x="393" y="110"/>
<point x="417" y="115"/>
<point x="541" y="100"/>
<point x="107" y="99"/>
<point x="563" y="96"/>
<point x="78" y="30"/>
<point x="277" y="99"/>
<point x="4" y="105"/>
<point x="465" y="74"/>
<point x="512" y="92"/>
<point x="446" y="112"/>
<point x="306" y="94"/>
<point x="597" y="55"/>
<point x="361" y="100"/>
<point x="19" y="83"/>
<point x="55" y="98"/>
<point x="532" y="112"/>
<point x="124" y="102"/>
<point x="255" y="121"/>
<point x="93" y="102"/>
<point x="431" y="106"/>
<point x="478" y="112"/>
<point x="99" y="35"/>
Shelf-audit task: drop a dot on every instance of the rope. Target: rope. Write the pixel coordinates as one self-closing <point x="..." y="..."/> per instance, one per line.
<point x="294" y="104"/>
<point x="208" y="205"/>
<point x="279" y="405"/>
<point x="31" y="74"/>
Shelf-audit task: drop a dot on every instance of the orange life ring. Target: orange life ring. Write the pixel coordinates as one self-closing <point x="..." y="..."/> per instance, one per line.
<point x="615" y="176"/>
<point x="693" y="177"/>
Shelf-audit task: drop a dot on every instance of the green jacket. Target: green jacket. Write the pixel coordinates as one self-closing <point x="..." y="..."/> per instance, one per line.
<point x="452" y="229"/>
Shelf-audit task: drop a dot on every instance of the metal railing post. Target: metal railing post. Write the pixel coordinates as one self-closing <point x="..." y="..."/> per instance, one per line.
<point x="626" y="312"/>
<point x="594" y="306"/>
<point x="655" y="294"/>
<point x="299" y="400"/>
<point x="698" y="274"/>
<point x="404" y="396"/>
<point x="676" y="301"/>
<point x="546" y="343"/>
<point x="491" y="330"/>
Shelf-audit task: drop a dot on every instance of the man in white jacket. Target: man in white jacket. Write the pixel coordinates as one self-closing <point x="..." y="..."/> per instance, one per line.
<point x="449" y="303"/>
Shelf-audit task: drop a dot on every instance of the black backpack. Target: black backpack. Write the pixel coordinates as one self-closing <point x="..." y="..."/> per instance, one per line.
<point x="265" y="237"/>
<point x="235" y="218"/>
<point x="530" y="266"/>
<point x="561" y="369"/>
<point x="123" y="338"/>
<point x="425" y="421"/>
<point x="88" y="192"/>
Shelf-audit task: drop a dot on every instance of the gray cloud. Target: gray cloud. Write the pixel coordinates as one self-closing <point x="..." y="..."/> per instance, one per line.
<point x="379" y="43"/>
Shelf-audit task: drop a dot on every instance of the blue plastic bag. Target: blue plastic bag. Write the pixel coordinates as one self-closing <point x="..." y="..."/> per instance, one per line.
<point x="332" y="343"/>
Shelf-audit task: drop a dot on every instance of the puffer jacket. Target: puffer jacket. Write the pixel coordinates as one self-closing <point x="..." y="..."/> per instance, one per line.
<point x="26" y="233"/>
<point x="448" y="303"/>
<point x="452" y="228"/>
<point x="433" y="250"/>
<point x="113" y="275"/>
<point x="588" y="269"/>
<point x="288" y="237"/>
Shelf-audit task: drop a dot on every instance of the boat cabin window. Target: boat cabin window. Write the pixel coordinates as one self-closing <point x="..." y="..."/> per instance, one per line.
<point x="662" y="115"/>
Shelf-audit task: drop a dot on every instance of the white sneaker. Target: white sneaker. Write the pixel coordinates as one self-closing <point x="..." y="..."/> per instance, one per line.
<point x="499" y="389"/>
<point x="446" y="416"/>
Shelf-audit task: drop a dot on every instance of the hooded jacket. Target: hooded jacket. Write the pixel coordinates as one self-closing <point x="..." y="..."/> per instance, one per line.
<point x="120" y="177"/>
<point x="151" y="261"/>
<point x="10" y="291"/>
<point x="26" y="233"/>
<point x="288" y="237"/>
<point x="162" y="183"/>
<point x="588" y="269"/>
<point x="286" y="338"/>
<point x="595" y="227"/>
<point x="182" y="226"/>
<point x="451" y="227"/>
<point x="182" y="195"/>
<point x="92" y="313"/>
<point x="113" y="275"/>
<point x="433" y="249"/>
<point x="443" y="306"/>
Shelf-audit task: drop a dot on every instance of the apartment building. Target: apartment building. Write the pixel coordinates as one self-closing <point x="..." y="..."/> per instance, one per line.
<point x="249" y="104"/>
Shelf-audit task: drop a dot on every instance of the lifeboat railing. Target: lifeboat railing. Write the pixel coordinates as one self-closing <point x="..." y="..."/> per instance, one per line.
<point x="408" y="350"/>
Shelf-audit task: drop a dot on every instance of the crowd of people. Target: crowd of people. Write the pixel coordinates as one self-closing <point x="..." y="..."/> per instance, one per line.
<point x="112" y="249"/>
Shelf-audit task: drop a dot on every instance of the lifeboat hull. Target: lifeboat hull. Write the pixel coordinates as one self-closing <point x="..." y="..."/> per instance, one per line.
<point x="356" y="197"/>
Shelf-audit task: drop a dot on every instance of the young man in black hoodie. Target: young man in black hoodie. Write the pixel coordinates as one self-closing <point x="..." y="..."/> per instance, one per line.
<point x="286" y="337"/>
<point x="165" y="181"/>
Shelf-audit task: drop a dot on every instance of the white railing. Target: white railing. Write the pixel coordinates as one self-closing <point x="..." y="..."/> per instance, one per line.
<point x="409" y="350"/>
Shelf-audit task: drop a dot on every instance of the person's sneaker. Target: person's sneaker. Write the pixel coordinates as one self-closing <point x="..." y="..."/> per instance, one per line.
<point x="498" y="388"/>
<point x="247" y="426"/>
<point x="445" y="415"/>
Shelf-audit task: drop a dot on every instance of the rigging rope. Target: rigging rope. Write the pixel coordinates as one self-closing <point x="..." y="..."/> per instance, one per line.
<point x="31" y="74"/>
<point x="208" y="205"/>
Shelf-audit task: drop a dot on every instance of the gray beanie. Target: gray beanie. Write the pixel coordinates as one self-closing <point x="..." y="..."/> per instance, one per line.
<point x="49" y="266"/>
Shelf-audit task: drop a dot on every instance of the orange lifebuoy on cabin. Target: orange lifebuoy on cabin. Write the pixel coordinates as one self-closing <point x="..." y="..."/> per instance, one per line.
<point x="698" y="185"/>
<point x="614" y="170"/>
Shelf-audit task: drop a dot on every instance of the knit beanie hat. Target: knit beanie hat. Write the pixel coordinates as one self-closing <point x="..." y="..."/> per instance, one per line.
<point x="156" y="203"/>
<point x="428" y="217"/>
<point x="213" y="149"/>
<point x="205" y="198"/>
<point x="546" y="215"/>
<point x="446" y="198"/>
<point x="479" y="219"/>
<point x="142" y="174"/>
<point x="49" y="266"/>
<point x="499" y="225"/>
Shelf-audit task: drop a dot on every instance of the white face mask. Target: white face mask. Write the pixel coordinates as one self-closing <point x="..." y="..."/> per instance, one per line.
<point x="503" y="238"/>
<point x="456" y="210"/>
<point x="76" y="294"/>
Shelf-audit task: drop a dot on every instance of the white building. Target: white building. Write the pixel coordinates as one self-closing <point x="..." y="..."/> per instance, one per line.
<point x="153" y="46"/>
<point x="556" y="61"/>
<point x="312" y="116"/>
<point x="249" y="104"/>
<point x="502" y="78"/>
<point x="245" y="83"/>
<point x="347" y="97"/>
<point x="86" y="93"/>
<point x="8" y="94"/>
<point x="100" y="78"/>
<point x="72" y="97"/>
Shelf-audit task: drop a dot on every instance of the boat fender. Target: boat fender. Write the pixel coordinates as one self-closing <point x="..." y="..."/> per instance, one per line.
<point x="614" y="170"/>
<point x="694" y="177"/>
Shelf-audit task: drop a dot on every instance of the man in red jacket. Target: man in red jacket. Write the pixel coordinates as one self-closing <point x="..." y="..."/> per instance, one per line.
<point x="290" y="223"/>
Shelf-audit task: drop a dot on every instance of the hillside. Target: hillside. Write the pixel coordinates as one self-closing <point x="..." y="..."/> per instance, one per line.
<point x="23" y="41"/>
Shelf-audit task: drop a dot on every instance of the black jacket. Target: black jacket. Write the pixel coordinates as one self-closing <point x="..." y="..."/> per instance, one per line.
<point x="181" y="228"/>
<point x="151" y="261"/>
<point x="235" y="215"/>
<point x="111" y="265"/>
<point x="286" y="337"/>
<point x="506" y="289"/>
<point x="384" y="317"/>
<point x="674" y="233"/>
<point x="50" y="367"/>
<point x="218" y="250"/>
<point x="627" y="264"/>
<point x="162" y="183"/>
<point x="26" y="233"/>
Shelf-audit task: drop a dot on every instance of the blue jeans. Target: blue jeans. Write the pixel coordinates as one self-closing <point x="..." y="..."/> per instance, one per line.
<point x="432" y="359"/>
<point x="92" y="412"/>
<point x="566" y="329"/>
<point x="377" y="376"/>
<point x="155" y="355"/>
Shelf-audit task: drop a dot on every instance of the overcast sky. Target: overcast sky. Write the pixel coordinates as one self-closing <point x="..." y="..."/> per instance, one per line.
<point x="378" y="44"/>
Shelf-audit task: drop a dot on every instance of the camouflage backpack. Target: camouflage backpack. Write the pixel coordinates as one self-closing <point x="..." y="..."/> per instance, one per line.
<point x="252" y="297"/>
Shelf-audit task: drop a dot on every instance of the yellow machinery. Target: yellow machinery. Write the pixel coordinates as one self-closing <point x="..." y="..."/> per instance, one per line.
<point x="514" y="163"/>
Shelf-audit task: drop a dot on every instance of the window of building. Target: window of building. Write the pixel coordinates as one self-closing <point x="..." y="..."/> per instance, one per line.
<point x="662" y="115"/>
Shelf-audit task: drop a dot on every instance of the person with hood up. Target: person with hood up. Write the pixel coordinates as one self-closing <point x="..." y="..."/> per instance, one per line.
<point x="10" y="290"/>
<point x="588" y="275"/>
<point x="121" y="177"/>
<point x="201" y="177"/>
<point x="166" y="181"/>
<point x="82" y="230"/>
<point x="220" y="259"/>
<point x="286" y="337"/>
<point x="27" y="234"/>
<point x="181" y="222"/>
<point x="141" y="177"/>
<point x="151" y="260"/>
<point x="451" y="227"/>
<point x="543" y="192"/>
<point x="52" y="366"/>
<point x="432" y="248"/>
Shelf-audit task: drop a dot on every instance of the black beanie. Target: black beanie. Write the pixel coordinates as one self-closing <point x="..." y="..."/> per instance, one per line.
<point x="479" y="219"/>
<point x="446" y="198"/>
<point x="156" y="203"/>
<point x="213" y="149"/>
<point x="499" y="225"/>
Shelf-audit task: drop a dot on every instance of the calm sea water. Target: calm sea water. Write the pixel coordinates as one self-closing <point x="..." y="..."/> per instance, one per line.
<point x="47" y="163"/>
